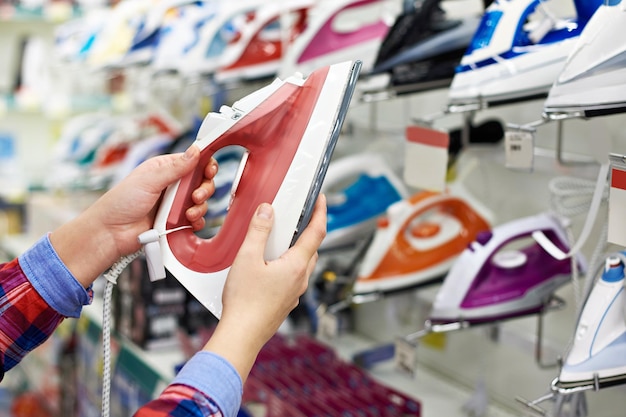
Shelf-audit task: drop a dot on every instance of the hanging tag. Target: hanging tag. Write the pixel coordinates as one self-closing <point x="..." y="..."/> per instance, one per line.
<point x="519" y="148"/>
<point x="617" y="201"/>
<point x="426" y="158"/>
<point x="434" y="340"/>
<point x="405" y="356"/>
<point x="327" y="326"/>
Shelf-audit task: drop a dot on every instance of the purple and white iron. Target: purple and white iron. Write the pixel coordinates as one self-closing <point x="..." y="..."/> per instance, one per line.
<point x="505" y="274"/>
<point x="340" y="30"/>
<point x="289" y="130"/>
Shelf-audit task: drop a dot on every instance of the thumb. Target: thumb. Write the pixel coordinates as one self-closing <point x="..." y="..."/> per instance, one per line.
<point x="162" y="170"/>
<point x="183" y="164"/>
<point x="258" y="230"/>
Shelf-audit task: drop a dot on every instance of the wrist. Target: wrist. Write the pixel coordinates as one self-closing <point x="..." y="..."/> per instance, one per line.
<point x="238" y="346"/>
<point x="86" y="249"/>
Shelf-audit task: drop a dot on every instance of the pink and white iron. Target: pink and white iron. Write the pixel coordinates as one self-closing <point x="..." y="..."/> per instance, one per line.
<point x="340" y="30"/>
<point x="289" y="130"/>
<point x="419" y="239"/>
<point x="501" y="276"/>
<point x="262" y="43"/>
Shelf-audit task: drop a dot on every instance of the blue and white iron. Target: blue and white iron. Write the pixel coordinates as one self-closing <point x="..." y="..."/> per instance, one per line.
<point x="358" y="189"/>
<point x="511" y="59"/>
<point x="74" y="38"/>
<point x="340" y="30"/>
<point x="289" y="129"/>
<point x="155" y="22"/>
<point x="168" y="32"/>
<point x="597" y="356"/>
<point x="592" y="81"/>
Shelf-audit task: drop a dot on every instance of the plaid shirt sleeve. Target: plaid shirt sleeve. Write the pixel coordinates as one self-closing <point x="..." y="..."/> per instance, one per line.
<point x="37" y="292"/>
<point x="207" y="386"/>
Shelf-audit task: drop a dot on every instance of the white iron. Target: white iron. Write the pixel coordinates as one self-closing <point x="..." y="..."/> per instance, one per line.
<point x="289" y="129"/>
<point x="597" y="357"/>
<point x="592" y="83"/>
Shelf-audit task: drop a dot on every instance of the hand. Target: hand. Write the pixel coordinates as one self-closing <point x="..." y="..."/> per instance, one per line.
<point x="129" y="209"/>
<point x="109" y="228"/>
<point x="258" y="295"/>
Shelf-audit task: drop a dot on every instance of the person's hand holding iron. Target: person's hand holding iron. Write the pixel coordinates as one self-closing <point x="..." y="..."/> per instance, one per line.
<point x="259" y="295"/>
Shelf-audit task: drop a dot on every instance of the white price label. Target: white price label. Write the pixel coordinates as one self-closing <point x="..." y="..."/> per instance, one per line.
<point x="519" y="149"/>
<point x="327" y="326"/>
<point x="617" y="206"/>
<point x="426" y="158"/>
<point x="405" y="356"/>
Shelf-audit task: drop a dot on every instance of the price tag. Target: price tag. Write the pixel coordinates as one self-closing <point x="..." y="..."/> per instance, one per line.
<point x="405" y="356"/>
<point x="617" y="201"/>
<point x="519" y="149"/>
<point x="327" y="326"/>
<point x="435" y="341"/>
<point x="426" y="158"/>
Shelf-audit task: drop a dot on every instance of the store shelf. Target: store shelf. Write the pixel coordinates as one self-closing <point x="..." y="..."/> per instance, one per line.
<point x="57" y="109"/>
<point x="154" y="369"/>
<point x="52" y="13"/>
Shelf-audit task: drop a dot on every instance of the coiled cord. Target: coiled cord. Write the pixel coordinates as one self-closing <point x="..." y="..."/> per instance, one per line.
<point x="571" y="197"/>
<point x="111" y="277"/>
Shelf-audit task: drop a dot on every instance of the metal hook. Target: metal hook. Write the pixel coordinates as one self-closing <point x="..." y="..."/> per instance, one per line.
<point x="533" y="405"/>
<point x="554" y="303"/>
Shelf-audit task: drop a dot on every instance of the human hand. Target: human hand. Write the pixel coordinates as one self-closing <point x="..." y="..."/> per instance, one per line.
<point x="258" y="295"/>
<point x="109" y="228"/>
<point x="129" y="208"/>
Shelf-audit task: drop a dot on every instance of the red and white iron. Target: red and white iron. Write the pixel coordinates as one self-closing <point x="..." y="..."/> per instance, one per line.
<point x="289" y="130"/>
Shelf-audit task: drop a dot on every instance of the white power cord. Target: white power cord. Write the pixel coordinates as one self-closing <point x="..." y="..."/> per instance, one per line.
<point x="571" y="197"/>
<point x="150" y="242"/>
<point x="111" y="277"/>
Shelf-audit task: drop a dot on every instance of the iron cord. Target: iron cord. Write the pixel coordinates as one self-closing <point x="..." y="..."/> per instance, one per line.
<point x="111" y="277"/>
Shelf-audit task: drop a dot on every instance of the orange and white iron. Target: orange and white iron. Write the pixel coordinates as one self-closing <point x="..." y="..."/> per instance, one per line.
<point x="289" y="130"/>
<point x="418" y="240"/>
